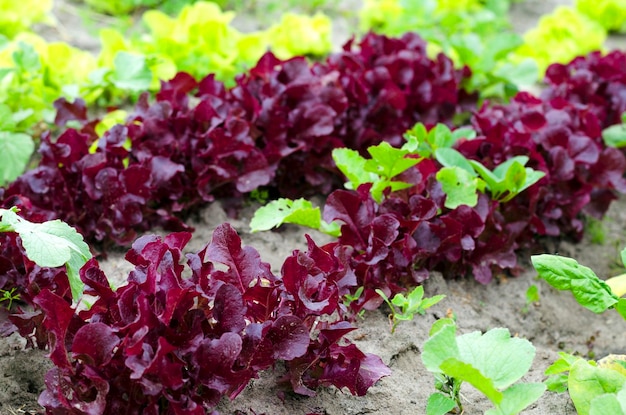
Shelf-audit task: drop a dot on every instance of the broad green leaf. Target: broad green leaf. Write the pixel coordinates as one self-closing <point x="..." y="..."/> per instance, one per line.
<point x="440" y="136"/>
<point x="466" y="372"/>
<point x="566" y="274"/>
<point x="623" y="256"/>
<point x="440" y="324"/>
<point x="7" y="122"/>
<point x="517" y="398"/>
<point x="131" y="72"/>
<point x="607" y="404"/>
<point x="440" y="347"/>
<point x="439" y="404"/>
<point x="497" y="355"/>
<point x="52" y="244"/>
<point x="502" y="169"/>
<point x="514" y="177"/>
<point x="449" y="157"/>
<point x="532" y="177"/>
<point x="520" y="74"/>
<point x="352" y="165"/>
<point x="490" y="178"/>
<point x="587" y="382"/>
<point x="616" y="362"/>
<point x="15" y="152"/>
<point x="557" y="383"/>
<point x="459" y="186"/>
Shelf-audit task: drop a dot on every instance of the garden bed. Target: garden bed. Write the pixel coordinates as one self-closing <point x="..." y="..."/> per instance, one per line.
<point x="556" y="323"/>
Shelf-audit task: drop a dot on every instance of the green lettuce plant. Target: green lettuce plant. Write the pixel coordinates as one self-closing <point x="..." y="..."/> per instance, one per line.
<point x="611" y="14"/>
<point x="559" y="37"/>
<point x="19" y="16"/>
<point x="492" y="362"/>
<point x="120" y="7"/>
<point x="201" y="40"/>
<point x="472" y="33"/>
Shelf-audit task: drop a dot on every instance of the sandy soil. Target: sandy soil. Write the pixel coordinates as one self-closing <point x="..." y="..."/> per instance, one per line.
<point x="554" y="324"/>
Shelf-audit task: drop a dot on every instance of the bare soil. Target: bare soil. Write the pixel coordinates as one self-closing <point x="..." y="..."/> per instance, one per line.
<point x="556" y="323"/>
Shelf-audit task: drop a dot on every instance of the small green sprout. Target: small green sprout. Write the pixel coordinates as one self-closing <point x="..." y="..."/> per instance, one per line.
<point x="10" y="296"/>
<point x="532" y="296"/>
<point x="404" y="308"/>
<point x="350" y="298"/>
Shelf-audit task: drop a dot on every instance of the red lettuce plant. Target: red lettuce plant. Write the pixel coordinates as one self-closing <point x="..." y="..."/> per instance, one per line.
<point x="200" y="141"/>
<point x="562" y="139"/>
<point x="166" y="344"/>
<point x="597" y="80"/>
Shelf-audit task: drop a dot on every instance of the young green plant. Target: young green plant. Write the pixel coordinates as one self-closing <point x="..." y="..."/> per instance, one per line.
<point x="404" y="308"/>
<point x="595" y="387"/>
<point x="492" y="362"/>
<point x="506" y="181"/>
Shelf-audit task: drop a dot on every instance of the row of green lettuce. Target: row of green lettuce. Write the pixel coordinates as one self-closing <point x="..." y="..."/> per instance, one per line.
<point x="202" y="39"/>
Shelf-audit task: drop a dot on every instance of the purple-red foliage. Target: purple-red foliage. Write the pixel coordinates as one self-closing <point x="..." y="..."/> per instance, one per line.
<point x="412" y="232"/>
<point x="169" y="344"/>
<point x="200" y="141"/>
<point x="597" y="80"/>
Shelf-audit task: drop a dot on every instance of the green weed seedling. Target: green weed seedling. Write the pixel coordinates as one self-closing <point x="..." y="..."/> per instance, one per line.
<point x="492" y="362"/>
<point x="532" y="297"/>
<point x="49" y="244"/>
<point x="350" y="298"/>
<point x="9" y="296"/>
<point x="404" y="308"/>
